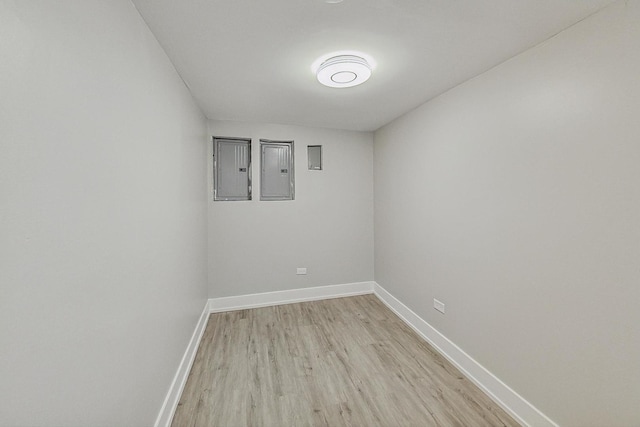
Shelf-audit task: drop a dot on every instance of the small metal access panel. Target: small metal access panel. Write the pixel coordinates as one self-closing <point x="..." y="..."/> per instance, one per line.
<point x="231" y="169"/>
<point x="277" y="177"/>
<point x="314" y="154"/>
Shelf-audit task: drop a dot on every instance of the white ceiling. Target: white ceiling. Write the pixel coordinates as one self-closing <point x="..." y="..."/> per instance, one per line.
<point x="250" y="60"/>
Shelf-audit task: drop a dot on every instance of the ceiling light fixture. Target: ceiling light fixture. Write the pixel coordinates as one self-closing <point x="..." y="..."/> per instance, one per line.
<point x="344" y="71"/>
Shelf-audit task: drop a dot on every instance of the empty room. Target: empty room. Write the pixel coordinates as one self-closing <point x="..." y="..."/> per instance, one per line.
<point x="320" y="213"/>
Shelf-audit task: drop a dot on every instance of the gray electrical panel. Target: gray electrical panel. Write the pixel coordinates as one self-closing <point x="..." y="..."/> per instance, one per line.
<point x="232" y="169"/>
<point x="277" y="177"/>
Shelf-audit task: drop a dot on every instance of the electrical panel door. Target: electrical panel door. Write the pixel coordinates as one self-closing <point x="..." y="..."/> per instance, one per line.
<point x="276" y="179"/>
<point x="232" y="169"/>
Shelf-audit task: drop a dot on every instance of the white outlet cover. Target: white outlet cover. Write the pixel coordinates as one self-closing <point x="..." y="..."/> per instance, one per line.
<point x="301" y="270"/>
<point x="438" y="305"/>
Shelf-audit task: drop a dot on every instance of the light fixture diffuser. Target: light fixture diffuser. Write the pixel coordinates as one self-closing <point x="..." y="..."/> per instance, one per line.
<point x="344" y="71"/>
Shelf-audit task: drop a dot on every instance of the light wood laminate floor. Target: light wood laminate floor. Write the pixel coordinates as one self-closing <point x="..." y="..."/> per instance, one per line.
<point x="339" y="362"/>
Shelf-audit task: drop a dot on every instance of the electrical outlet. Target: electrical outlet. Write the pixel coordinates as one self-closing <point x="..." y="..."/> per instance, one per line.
<point x="301" y="270"/>
<point x="438" y="305"/>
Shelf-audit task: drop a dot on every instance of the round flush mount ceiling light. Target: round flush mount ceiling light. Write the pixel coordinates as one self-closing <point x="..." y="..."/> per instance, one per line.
<point x="344" y="71"/>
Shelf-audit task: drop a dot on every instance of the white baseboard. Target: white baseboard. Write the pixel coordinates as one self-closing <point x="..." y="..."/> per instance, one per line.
<point x="291" y="296"/>
<point x="520" y="409"/>
<point x="180" y="379"/>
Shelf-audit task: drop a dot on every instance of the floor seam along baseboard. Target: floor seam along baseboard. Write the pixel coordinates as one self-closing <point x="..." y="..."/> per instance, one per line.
<point x="165" y="416"/>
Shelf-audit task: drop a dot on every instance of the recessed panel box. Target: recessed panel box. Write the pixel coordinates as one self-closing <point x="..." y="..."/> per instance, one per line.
<point x="277" y="174"/>
<point x="231" y="169"/>
<point x="314" y="154"/>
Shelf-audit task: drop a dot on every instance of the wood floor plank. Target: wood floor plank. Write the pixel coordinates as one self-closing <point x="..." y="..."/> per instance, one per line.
<point x="339" y="362"/>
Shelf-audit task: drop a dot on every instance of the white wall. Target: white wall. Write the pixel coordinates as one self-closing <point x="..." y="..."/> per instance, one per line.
<point x="515" y="199"/>
<point x="255" y="246"/>
<point x="102" y="213"/>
